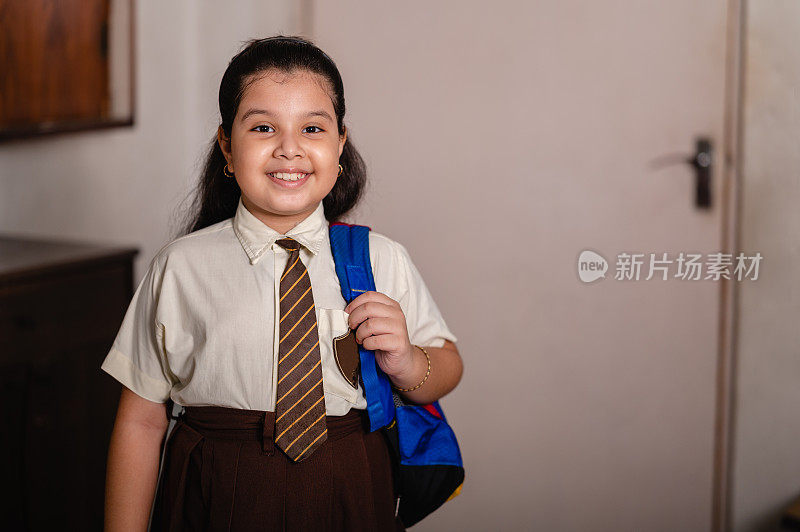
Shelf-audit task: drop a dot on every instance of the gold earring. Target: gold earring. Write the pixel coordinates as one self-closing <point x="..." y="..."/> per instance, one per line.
<point x="227" y="172"/>
<point x="340" y="171"/>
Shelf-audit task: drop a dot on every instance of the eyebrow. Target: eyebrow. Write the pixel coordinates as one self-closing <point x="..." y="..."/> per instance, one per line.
<point x="250" y="112"/>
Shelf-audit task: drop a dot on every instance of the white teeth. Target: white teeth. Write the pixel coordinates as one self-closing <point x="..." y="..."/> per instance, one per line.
<point x="288" y="177"/>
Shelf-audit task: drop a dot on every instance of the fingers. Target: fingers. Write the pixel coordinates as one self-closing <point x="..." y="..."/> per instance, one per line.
<point x="379" y="306"/>
<point x="370" y="296"/>
<point x="376" y="314"/>
<point x="378" y="326"/>
<point x="382" y="342"/>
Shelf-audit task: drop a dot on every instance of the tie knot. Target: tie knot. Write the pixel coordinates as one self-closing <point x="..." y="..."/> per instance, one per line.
<point x="289" y="244"/>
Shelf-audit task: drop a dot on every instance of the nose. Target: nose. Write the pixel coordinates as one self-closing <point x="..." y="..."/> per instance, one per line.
<point x="289" y="146"/>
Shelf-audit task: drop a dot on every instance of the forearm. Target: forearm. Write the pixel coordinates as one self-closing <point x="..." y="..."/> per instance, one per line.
<point x="446" y="371"/>
<point x="133" y="462"/>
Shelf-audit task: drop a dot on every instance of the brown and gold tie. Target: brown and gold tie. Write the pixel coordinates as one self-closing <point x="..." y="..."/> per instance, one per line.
<point x="300" y="405"/>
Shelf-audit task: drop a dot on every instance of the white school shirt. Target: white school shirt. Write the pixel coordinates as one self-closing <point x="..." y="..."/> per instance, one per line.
<point x="201" y="326"/>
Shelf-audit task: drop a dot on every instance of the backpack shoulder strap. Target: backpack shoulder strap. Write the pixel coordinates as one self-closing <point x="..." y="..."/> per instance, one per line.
<point x="350" y="249"/>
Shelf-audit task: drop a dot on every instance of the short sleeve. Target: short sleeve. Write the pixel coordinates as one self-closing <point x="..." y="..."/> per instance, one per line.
<point x="137" y="358"/>
<point x="426" y="326"/>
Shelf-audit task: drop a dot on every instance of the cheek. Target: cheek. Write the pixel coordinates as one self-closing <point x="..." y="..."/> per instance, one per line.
<point x="248" y="154"/>
<point x="327" y="158"/>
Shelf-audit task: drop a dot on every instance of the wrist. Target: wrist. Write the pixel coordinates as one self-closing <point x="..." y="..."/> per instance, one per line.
<point x="419" y="373"/>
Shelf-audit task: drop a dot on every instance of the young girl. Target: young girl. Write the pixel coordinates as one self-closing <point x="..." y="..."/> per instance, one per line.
<point x="209" y="328"/>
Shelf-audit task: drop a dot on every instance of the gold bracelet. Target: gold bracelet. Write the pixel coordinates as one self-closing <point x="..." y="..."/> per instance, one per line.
<point x="423" y="380"/>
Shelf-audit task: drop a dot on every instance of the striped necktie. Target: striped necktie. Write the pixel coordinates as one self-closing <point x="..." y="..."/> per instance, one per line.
<point x="300" y="408"/>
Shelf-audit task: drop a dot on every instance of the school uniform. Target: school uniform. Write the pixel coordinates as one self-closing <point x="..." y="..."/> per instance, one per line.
<point x="202" y="329"/>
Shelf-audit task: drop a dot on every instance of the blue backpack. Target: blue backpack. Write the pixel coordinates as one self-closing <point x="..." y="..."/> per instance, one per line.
<point x="427" y="462"/>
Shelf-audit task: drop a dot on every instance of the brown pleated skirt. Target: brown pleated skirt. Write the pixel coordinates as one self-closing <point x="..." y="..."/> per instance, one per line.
<point x="222" y="471"/>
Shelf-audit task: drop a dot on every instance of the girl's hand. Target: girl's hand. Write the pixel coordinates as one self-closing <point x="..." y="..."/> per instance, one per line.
<point x="381" y="326"/>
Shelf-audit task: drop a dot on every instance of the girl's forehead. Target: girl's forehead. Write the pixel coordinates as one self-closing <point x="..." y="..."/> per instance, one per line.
<point x="283" y="90"/>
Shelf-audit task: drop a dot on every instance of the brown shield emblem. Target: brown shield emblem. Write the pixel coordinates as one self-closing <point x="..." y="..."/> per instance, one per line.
<point x="345" y="350"/>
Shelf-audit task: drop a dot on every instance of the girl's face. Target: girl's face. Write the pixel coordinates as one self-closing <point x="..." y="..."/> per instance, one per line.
<point x="285" y="124"/>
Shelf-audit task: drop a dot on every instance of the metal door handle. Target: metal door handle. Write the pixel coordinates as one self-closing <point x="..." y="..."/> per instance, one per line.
<point x="702" y="162"/>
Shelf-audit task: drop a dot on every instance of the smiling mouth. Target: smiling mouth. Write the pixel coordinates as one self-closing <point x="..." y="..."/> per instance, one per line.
<point x="283" y="176"/>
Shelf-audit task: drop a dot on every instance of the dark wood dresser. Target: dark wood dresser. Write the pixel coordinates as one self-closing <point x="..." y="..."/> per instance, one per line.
<point x="61" y="305"/>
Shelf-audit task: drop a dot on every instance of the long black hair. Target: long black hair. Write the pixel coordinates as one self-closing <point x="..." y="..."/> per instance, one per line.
<point x="216" y="197"/>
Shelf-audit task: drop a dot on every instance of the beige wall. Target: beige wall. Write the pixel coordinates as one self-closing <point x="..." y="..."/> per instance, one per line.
<point x="766" y="473"/>
<point x="122" y="186"/>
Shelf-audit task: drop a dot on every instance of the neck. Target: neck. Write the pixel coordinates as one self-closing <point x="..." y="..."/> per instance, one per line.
<point x="282" y="223"/>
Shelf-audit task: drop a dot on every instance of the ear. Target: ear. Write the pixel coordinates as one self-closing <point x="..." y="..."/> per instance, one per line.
<point x="342" y="141"/>
<point x="224" y="144"/>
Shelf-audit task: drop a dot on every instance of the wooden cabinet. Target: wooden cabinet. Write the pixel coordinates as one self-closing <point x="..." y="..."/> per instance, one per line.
<point x="61" y="305"/>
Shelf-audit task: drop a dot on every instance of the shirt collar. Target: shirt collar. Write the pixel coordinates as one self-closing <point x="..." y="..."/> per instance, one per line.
<point x="257" y="237"/>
